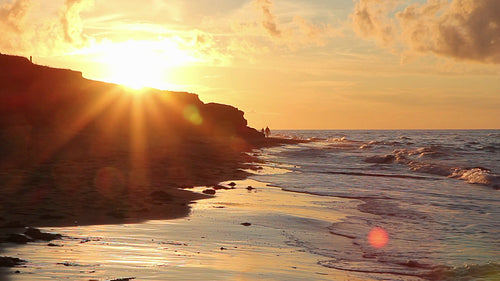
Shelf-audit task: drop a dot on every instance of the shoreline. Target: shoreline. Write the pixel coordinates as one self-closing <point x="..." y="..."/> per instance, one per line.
<point x="247" y="234"/>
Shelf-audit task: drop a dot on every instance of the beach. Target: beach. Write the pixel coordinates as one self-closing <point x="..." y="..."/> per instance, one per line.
<point x="334" y="207"/>
<point x="239" y="234"/>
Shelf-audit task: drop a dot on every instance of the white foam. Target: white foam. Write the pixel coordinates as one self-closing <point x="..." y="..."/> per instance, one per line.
<point x="476" y="176"/>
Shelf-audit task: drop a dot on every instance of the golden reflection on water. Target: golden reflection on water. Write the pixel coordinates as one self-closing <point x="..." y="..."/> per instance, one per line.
<point x="211" y="244"/>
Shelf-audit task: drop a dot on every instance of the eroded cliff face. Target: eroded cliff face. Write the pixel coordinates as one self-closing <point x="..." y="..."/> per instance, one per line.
<point x="41" y="102"/>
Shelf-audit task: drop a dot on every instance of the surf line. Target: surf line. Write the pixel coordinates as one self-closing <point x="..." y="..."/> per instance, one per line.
<point x="379" y="175"/>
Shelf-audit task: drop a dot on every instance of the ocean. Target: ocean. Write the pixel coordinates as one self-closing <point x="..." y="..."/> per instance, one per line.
<point x="425" y="203"/>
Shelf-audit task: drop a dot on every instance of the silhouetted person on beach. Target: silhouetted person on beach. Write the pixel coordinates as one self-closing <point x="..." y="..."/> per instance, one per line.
<point x="267" y="132"/>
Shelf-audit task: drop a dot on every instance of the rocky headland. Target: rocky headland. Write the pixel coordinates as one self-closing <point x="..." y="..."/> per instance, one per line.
<point x="75" y="151"/>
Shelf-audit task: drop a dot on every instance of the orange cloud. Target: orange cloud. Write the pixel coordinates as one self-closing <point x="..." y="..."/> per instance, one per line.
<point x="298" y="32"/>
<point x="13" y="15"/>
<point x="268" y="18"/>
<point x="370" y="20"/>
<point x="24" y="33"/>
<point x="12" y="23"/>
<point x="460" y="29"/>
<point x="70" y="21"/>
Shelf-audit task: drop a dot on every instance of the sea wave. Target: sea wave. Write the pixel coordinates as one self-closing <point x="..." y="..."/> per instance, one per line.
<point x="377" y="175"/>
<point x="343" y="144"/>
<point x="434" y="160"/>
<point x="385" y="208"/>
<point x="430" y="168"/>
<point x="489" y="271"/>
<point x="486" y="272"/>
<point x="474" y="175"/>
<point x="477" y="175"/>
<point x="384" y="159"/>
<point x="433" y="151"/>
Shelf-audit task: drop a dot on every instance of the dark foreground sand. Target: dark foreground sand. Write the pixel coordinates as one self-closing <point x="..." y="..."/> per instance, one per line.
<point x="239" y="234"/>
<point x="76" y="187"/>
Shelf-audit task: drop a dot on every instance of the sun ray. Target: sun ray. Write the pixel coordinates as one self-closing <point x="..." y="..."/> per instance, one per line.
<point x="139" y="64"/>
<point x="139" y="174"/>
<point x="78" y="122"/>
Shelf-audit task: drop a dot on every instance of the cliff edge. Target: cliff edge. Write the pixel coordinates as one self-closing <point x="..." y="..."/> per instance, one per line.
<point x="41" y="96"/>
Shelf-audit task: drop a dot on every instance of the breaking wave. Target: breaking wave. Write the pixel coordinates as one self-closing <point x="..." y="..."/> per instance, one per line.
<point x="433" y="151"/>
<point x="477" y="176"/>
<point x="415" y="160"/>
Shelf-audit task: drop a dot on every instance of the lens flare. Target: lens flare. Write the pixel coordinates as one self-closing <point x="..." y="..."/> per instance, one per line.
<point x="378" y="237"/>
<point x="192" y="114"/>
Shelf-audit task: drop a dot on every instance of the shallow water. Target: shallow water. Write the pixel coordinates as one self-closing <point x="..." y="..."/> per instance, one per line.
<point x="434" y="192"/>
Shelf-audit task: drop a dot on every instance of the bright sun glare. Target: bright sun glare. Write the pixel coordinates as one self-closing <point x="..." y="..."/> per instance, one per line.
<point x="139" y="64"/>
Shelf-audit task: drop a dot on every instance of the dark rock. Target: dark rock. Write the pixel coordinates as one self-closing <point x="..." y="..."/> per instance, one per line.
<point x="36" y="234"/>
<point x="54" y="245"/>
<point x="123" y="279"/>
<point x="67" y="263"/>
<point x="18" y="239"/>
<point x="246" y="224"/>
<point x="250" y="188"/>
<point x="232" y="184"/>
<point x="256" y="168"/>
<point x="222" y="248"/>
<point x="217" y="187"/>
<point x="10" y="262"/>
<point x="209" y="191"/>
<point x="161" y="196"/>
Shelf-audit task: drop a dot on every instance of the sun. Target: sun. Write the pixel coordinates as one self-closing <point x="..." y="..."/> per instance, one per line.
<point x="139" y="64"/>
<point x="136" y="69"/>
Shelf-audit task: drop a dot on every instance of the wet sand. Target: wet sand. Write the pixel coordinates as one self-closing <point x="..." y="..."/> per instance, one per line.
<point x="239" y="234"/>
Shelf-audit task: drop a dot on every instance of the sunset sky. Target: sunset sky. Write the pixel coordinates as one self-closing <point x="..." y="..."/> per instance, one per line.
<point x="296" y="64"/>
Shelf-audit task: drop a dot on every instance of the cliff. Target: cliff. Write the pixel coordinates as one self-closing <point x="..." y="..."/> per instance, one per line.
<point x="41" y="101"/>
<point x="78" y="151"/>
